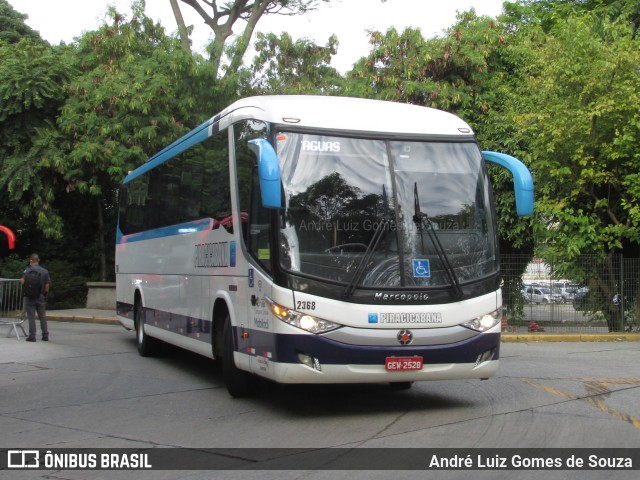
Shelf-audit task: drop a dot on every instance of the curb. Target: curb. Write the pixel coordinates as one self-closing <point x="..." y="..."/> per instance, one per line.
<point x="570" y="337"/>
<point x="83" y="319"/>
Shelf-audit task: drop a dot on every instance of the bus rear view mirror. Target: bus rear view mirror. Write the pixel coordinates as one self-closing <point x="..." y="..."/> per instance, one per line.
<point x="268" y="172"/>
<point x="522" y="181"/>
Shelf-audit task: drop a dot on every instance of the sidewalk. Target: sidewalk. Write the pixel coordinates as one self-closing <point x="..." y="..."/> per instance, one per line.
<point x="570" y="337"/>
<point x="86" y="315"/>
<point x="89" y="315"/>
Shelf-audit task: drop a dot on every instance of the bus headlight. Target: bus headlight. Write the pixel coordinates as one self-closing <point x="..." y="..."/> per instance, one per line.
<point x="484" y="322"/>
<point x="303" y="321"/>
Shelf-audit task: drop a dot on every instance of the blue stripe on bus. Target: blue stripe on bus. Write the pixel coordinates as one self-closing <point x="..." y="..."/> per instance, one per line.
<point x="201" y="225"/>
<point x="285" y="348"/>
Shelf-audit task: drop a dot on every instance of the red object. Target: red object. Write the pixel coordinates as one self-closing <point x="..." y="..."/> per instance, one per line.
<point x="11" y="237"/>
<point x="505" y="324"/>
<point x="534" y="327"/>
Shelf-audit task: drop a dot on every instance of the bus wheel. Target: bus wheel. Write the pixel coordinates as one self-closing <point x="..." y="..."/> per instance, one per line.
<point x="147" y="346"/>
<point x="239" y="383"/>
<point x="400" y="385"/>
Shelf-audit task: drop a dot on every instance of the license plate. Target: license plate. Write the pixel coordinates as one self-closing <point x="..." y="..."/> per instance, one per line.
<point x="403" y="364"/>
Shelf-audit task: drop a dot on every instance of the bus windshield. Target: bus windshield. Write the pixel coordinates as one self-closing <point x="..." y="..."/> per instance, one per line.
<point x="385" y="213"/>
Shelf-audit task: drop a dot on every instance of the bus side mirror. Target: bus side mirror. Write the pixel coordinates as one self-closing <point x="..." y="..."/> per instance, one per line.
<point x="268" y="172"/>
<point x="522" y="181"/>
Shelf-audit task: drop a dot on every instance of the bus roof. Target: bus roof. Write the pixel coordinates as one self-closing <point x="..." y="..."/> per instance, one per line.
<point x="355" y="115"/>
<point x="347" y="114"/>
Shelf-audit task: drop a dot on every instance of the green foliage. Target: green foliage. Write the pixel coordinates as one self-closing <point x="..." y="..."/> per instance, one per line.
<point x="452" y="73"/>
<point x="285" y="66"/>
<point x="68" y="286"/>
<point x="580" y="121"/>
<point x="549" y="13"/>
<point x="12" y="26"/>
<point x="131" y="99"/>
<point x="12" y="266"/>
<point x="32" y="77"/>
<point x="136" y="91"/>
<point x="222" y="17"/>
<point x="573" y="117"/>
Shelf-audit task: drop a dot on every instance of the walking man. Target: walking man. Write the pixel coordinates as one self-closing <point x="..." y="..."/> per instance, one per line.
<point x="35" y="282"/>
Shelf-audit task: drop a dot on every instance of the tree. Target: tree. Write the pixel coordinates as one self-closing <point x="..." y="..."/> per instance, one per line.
<point x="285" y="66"/>
<point x="578" y="113"/>
<point x="138" y="90"/>
<point x="32" y="78"/>
<point x="221" y="17"/>
<point x="32" y="75"/>
<point x="183" y="31"/>
<point x="548" y="13"/>
<point x="453" y="73"/>
<point x="12" y="26"/>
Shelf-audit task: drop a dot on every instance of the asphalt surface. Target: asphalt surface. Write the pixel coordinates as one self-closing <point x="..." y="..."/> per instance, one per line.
<point x="88" y="388"/>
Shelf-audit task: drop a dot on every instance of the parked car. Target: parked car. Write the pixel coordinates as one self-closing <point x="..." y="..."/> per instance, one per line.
<point x="568" y="293"/>
<point x="580" y="300"/>
<point x="541" y="295"/>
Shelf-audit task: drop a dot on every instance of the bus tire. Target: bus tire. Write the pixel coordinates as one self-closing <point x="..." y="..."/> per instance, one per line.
<point x="147" y="346"/>
<point x="239" y="383"/>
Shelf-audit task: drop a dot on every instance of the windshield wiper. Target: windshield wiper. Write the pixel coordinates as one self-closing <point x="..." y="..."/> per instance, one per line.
<point x="421" y="218"/>
<point x="371" y="247"/>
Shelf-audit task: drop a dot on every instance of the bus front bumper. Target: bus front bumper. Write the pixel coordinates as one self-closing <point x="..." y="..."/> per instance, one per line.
<point x="314" y="359"/>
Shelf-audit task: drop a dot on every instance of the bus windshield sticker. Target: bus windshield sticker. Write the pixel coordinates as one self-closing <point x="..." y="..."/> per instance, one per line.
<point x="421" y="268"/>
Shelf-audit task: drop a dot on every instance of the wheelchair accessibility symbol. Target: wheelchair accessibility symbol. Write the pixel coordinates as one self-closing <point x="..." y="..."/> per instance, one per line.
<point x="421" y="268"/>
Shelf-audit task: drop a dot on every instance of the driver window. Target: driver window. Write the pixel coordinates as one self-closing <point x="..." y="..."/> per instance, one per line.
<point x="256" y="231"/>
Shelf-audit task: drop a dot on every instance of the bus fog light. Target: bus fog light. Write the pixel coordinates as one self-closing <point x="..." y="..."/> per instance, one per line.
<point x="310" y="361"/>
<point x="484" y="322"/>
<point x="484" y="357"/>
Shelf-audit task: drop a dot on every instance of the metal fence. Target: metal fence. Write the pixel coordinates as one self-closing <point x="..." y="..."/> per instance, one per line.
<point x="12" y="306"/>
<point x="591" y="295"/>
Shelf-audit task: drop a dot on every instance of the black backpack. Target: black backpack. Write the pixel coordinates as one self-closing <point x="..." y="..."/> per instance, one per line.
<point x="32" y="286"/>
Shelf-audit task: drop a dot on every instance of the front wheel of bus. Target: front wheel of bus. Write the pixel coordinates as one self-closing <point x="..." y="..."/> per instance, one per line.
<point x="239" y="383"/>
<point x="147" y="346"/>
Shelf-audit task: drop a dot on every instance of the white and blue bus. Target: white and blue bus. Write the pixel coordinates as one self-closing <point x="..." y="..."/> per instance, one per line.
<point x="313" y="239"/>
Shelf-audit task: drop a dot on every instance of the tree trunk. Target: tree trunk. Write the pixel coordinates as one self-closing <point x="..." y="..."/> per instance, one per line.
<point x="216" y="51"/>
<point x="242" y="44"/>
<point x="182" y="28"/>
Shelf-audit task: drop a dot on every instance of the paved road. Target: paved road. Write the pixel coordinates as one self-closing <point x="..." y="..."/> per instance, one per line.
<point x="88" y="387"/>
